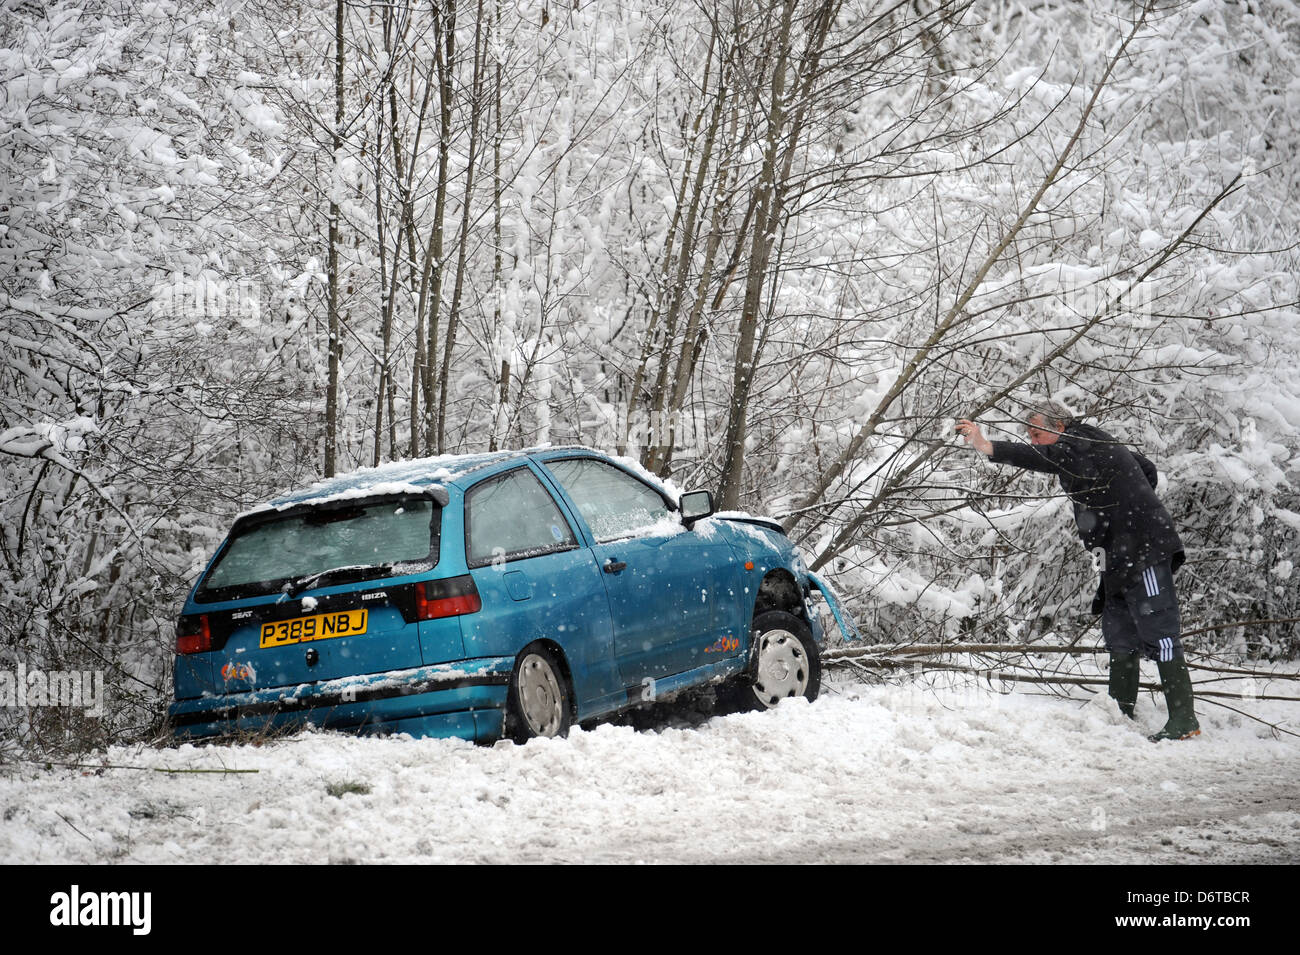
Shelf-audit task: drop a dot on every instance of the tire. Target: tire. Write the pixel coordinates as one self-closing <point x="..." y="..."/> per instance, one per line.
<point x="539" y="703"/>
<point x="786" y="660"/>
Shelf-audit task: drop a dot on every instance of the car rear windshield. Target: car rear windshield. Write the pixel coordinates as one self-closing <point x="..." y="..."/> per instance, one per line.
<point x="335" y="543"/>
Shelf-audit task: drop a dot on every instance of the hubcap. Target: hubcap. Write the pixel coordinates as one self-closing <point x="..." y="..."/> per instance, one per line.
<point x="539" y="696"/>
<point x="782" y="667"/>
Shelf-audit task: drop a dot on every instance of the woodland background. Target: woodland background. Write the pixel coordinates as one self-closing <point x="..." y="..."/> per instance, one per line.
<point x="767" y="247"/>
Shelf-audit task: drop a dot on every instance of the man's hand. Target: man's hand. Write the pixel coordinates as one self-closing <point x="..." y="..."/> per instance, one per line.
<point x="974" y="436"/>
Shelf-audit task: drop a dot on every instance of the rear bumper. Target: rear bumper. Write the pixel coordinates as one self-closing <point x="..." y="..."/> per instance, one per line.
<point x="465" y="699"/>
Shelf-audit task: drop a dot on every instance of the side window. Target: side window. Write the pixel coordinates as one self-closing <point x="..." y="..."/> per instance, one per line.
<point x="511" y="517"/>
<point x="613" y="503"/>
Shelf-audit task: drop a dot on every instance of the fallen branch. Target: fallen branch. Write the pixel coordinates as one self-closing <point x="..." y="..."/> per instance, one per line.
<point x="990" y="675"/>
<point x="885" y="651"/>
<point x="932" y="649"/>
<point x="72" y="827"/>
<point x="1239" y="623"/>
<point x="145" y="769"/>
<point x="1250" y="716"/>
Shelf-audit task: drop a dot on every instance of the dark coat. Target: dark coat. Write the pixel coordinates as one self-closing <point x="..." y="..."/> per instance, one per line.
<point x="1113" y="490"/>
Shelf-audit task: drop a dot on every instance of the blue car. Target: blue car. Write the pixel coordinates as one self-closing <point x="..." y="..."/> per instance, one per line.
<point x="483" y="596"/>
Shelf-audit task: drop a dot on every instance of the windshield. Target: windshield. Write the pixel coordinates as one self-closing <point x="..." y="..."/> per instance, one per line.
<point x="612" y="502"/>
<point x="346" y="540"/>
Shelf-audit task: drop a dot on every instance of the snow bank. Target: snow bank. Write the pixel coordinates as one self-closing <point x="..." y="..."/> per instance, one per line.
<point x="913" y="773"/>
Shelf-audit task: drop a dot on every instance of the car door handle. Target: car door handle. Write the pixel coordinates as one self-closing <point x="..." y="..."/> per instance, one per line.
<point x="613" y="566"/>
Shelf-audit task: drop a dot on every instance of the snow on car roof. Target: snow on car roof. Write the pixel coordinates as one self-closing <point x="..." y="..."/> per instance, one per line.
<point x="416" y="476"/>
<point x="420" y="475"/>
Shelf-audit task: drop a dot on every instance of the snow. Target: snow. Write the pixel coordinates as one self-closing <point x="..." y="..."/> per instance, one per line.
<point x="187" y="144"/>
<point x="415" y="476"/>
<point x="768" y="533"/>
<point x="893" y="583"/>
<point x="668" y="526"/>
<point x="1151" y="241"/>
<point x="378" y="489"/>
<point x="911" y="773"/>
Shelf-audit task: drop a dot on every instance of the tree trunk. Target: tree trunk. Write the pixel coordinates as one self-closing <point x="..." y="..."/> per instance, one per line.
<point x="453" y="315"/>
<point x="332" y="268"/>
<point x="767" y="214"/>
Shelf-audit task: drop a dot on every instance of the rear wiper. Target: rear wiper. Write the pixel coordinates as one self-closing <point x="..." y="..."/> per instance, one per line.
<point x="337" y="575"/>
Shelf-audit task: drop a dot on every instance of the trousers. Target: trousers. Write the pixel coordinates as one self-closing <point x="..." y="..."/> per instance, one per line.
<point x="1144" y="618"/>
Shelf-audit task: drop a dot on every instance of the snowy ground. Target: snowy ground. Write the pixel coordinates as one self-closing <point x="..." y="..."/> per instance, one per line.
<point x="866" y="774"/>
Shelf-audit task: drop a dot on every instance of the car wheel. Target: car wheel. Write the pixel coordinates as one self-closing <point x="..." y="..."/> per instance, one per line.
<point x="786" y="660"/>
<point x="539" y="697"/>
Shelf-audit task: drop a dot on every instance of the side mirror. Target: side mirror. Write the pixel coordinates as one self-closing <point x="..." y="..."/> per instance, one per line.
<point x="695" y="505"/>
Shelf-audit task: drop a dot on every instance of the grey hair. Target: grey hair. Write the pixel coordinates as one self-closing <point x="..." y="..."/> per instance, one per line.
<point x="1051" y="411"/>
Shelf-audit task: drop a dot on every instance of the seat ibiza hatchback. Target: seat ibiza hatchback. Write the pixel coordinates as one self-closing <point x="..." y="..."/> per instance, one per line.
<point x="489" y="595"/>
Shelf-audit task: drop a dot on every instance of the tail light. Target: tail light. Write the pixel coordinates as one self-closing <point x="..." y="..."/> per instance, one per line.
<point x="446" y="598"/>
<point x="193" y="635"/>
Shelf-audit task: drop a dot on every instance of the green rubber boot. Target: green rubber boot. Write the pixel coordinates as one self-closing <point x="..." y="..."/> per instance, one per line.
<point x="1178" y="697"/>
<point x="1124" y="681"/>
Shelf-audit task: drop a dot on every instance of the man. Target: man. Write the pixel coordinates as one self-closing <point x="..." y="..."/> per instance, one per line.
<point x="1123" y="523"/>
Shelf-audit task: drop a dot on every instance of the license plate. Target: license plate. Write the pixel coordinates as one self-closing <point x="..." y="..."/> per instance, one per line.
<point x="321" y="626"/>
